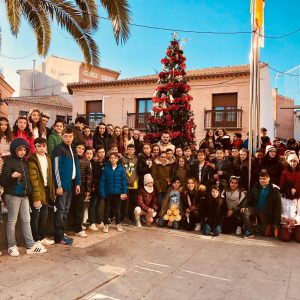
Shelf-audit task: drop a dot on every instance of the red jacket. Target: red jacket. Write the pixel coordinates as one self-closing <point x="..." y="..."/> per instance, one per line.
<point x="146" y="200"/>
<point x="293" y="177"/>
<point x="29" y="140"/>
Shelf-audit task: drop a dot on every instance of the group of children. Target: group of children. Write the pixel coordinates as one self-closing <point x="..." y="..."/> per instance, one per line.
<point x="122" y="178"/>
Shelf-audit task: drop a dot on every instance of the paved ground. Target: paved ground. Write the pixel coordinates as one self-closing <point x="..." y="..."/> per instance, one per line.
<point x="152" y="263"/>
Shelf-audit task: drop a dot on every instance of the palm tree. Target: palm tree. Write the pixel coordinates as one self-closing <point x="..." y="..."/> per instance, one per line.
<point x="78" y="17"/>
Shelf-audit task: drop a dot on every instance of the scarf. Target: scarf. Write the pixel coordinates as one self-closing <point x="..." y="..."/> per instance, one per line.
<point x="149" y="189"/>
<point x="233" y="199"/>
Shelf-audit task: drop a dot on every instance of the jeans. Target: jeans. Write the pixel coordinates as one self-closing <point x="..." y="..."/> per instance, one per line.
<point x="62" y="205"/>
<point x="207" y="229"/>
<point x="18" y="206"/>
<point x="162" y="223"/>
<point x="78" y="206"/>
<point x="160" y="196"/>
<point x="112" y="208"/>
<point x="38" y="222"/>
<point x="94" y="210"/>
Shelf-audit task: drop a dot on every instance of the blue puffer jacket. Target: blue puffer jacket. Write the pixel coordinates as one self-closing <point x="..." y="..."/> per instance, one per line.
<point x="112" y="181"/>
<point x="62" y="167"/>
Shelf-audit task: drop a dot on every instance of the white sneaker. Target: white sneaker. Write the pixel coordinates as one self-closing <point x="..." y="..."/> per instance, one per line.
<point x="37" y="248"/>
<point x="101" y="225"/>
<point x="238" y="230"/>
<point x="47" y="242"/>
<point x="93" y="227"/>
<point x="119" y="228"/>
<point x="105" y="229"/>
<point x="138" y="224"/>
<point x="81" y="234"/>
<point x="83" y="227"/>
<point x="197" y="227"/>
<point x="13" y="251"/>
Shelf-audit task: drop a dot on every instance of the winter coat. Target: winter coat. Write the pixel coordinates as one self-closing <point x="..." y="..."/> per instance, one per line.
<point x="274" y="168"/>
<point x="226" y="168"/>
<point x="256" y="167"/>
<point x="272" y="214"/>
<point x="29" y="140"/>
<point x="37" y="180"/>
<point x="238" y="144"/>
<point x="62" y="167"/>
<point x="53" y="140"/>
<point x="14" y="186"/>
<point x="182" y="173"/>
<point x="99" y="141"/>
<point x="78" y="136"/>
<point x="224" y="142"/>
<point x="207" y="173"/>
<point x="281" y="149"/>
<point x="291" y="209"/>
<point x="142" y="167"/>
<point x="146" y="200"/>
<point x="86" y="176"/>
<point x="213" y="214"/>
<point x="293" y="177"/>
<point x="206" y="144"/>
<point x="161" y="175"/>
<point x="196" y="200"/>
<point x="130" y="166"/>
<point x="241" y="169"/>
<point x="138" y="145"/>
<point x="164" y="147"/>
<point x="112" y="182"/>
<point x="97" y="168"/>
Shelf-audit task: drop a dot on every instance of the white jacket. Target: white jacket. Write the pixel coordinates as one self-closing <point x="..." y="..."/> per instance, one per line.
<point x="291" y="209"/>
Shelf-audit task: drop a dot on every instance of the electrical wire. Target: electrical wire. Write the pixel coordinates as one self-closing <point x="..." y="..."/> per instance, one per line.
<point x="20" y="57"/>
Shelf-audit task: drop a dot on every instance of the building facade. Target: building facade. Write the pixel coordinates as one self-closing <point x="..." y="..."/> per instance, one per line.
<point x="221" y="99"/>
<point x="5" y="91"/>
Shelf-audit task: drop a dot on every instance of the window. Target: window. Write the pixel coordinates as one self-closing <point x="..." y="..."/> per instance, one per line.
<point x="94" y="113"/>
<point x="224" y="110"/>
<point x="61" y="117"/>
<point x="23" y="113"/>
<point x="144" y="105"/>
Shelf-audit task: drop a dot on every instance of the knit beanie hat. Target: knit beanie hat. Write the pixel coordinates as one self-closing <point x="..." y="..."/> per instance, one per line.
<point x="147" y="178"/>
<point x="270" y="148"/>
<point x="293" y="156"/>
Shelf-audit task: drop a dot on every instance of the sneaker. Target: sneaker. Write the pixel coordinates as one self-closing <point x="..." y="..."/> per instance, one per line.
<point x="248" y="234"/>
<point x="93" y="227"/>
<point x="37" y="248"/>
<point x="105" y="229"/>
<point x="47" y="242"/>
<point x="197" y="227"/>
<point x="83" y="227"/>
<point x="238" y="230"/>
<point x="66" y="241"/>
<point x="119" y="228"/>
<point x="138" y="224"/>
<point x="13" y="251"/>
<point x="1" y="253"/>
<point x="101" y="225"/>
<point x="71" y="239"/>
<point x="81" y="234"/>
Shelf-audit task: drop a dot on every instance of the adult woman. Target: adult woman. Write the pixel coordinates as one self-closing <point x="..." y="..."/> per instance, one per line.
<point x="127" y="139"/>
<point x="209" y="141"/>
<point x="241" y="168"/>
<point x="223" y="139"/>
<point x="99" y="136"/>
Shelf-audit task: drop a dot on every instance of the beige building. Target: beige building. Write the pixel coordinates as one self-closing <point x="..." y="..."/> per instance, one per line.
<point x="5" y="91"/>
<point x="221" y="97"/>
<point x="52" y="75"/>
<point x="55" y="106"/>
<point x="283" y="118"/>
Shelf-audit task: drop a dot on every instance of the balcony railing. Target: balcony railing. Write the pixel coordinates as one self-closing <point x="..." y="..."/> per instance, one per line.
<point x="93" y="118"/>
<point x="137" y="120"/>
<point x="227" y="118"/>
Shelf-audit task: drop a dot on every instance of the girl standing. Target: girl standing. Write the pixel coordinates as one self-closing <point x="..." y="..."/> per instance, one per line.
<point x="88" y="136"/>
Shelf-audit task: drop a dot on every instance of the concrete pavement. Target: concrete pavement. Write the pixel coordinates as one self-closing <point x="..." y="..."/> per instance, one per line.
<point x="154" y="263"/>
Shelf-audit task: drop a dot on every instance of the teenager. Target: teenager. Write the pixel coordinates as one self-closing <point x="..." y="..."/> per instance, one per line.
<point x="54" y="138"/>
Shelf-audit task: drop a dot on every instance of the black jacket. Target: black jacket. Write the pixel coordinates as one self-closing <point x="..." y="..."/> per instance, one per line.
<point x="274" y="167"/>
<point x="85" y="175"/>
<point x="13" y="186"/>
<point x="143" y="167"/>
<point x="97" y="168"/>
<point x="207" y="174"/>
<point x="213" y="214"/>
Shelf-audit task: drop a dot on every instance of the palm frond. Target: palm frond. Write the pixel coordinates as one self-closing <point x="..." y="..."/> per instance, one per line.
<point x="120" y="16"/>
<point x="13" y="12"/>
<point x="90" y="17"/>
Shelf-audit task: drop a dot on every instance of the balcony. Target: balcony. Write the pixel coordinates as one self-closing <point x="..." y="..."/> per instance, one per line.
<point x="93" y="118"/>
<point x="227" y="118"/>
<point x="137" y="120"/>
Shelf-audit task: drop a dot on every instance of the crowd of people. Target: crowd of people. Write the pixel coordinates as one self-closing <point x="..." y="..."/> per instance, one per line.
<point x="119" y="178"/>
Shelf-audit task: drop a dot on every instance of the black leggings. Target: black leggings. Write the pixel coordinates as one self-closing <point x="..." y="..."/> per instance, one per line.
<point x="112" y="208"/>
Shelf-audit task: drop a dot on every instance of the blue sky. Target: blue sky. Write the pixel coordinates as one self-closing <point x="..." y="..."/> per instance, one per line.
<point x="142" y="53"/>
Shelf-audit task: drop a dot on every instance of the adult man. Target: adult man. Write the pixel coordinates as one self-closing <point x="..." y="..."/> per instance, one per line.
<point x="165" y="143"/>
<point x="263" y="202"/>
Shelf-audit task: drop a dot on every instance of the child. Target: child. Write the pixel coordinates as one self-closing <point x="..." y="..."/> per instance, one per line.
<point x="129" y="163"/>
<point x="54" y="138"/>
<point x="6" y="138"/>
<point x="95" y="217"/>
<point x="181" y="170"/>
<point x="113" y="188"/>
<point x="21" y="130"/>
<point x="214" y="211"/>
<point x="85" y="190"/>
<point x="171" y="202"/>
<point x="35" y="123"/>
<point x="15" y="177"/>
<point x="88" y="136"/>
<point x="65" y="167"/>
<point x="40" y="172"/>
<point x="145" y="162"/>
<point x="146" y="201"/>
<point x="187" y="152"/>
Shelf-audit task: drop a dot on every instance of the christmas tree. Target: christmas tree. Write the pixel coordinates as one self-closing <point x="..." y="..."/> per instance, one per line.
<point x="171" y="110"/>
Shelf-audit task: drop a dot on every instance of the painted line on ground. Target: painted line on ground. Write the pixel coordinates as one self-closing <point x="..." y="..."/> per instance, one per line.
<point x="100" y="296"/>
<point x="150" y="270"/>
<point x="155" y="264"/>
<point x="205" y="275"/>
